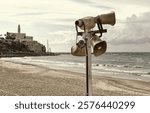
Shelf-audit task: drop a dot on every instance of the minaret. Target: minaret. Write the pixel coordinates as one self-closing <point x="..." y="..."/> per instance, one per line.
<point x="19" y="29"/>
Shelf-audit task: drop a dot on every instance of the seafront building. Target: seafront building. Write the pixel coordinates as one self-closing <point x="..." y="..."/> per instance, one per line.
<point x="32" y="45"/>
<point x="21" y="37"/>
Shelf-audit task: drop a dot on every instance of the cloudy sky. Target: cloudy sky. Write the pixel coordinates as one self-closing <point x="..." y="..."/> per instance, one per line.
<point x="53" y="20"/>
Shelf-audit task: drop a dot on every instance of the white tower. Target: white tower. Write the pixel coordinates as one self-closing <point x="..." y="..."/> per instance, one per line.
<point x="19" y="29"/>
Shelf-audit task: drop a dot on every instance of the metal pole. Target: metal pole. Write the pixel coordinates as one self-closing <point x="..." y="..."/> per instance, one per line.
<point x="88" y="65"/>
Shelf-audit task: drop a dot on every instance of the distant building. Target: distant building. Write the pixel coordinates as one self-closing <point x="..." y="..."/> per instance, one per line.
<point x="18" y="36"/>
<point x="32" y="45"/>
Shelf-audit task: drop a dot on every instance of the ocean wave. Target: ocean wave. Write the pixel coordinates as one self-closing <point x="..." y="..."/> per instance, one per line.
<point x="77" y="65"/>
<point x="137" y="66"/>
<point x="111" y="65"/>
<point x="119" y="70"/>
<point x="145" y="75"/>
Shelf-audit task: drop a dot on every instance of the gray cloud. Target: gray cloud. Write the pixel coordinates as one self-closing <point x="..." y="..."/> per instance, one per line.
<point x="83" y="1"/>
<point x="31" y="14"/>
<point x="7" y="26"/>
<point x="142" y="19"/>
<point x="102" y="6"/>
<point x="43" y="29"/>
<point x="62" y="39"/>
<point x="70" y="20"/>
<point x="92" y="3"/>
<point x="42" y="26"/>
<point x="136" y="31"/>
<point x="134" y="2"/>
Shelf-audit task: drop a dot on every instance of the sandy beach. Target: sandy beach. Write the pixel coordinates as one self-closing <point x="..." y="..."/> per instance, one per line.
<point x="29" y="80"/>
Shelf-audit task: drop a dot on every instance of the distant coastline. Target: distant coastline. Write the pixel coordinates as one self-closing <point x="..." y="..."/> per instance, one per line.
<point x="23" y="54"/>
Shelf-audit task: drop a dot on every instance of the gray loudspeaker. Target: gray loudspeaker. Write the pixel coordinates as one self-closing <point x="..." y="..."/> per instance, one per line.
<point x="108" y="18"/>
<point x="87" y="22"/>
<point x="99" y="46"/>
<point x="79" y="49"/>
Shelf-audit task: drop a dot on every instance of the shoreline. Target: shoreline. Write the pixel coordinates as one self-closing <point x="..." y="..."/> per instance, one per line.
<point x="113" y="75"/>
<point x="31" y="80"/>
<point x="26" y="54"/>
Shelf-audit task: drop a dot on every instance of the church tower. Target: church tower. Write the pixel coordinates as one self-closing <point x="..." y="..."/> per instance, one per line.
<point x="19" y="29"/>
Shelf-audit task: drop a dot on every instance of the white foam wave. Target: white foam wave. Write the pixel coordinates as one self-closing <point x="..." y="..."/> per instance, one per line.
<point x="119" y="70"/>
<point x="74" y="65"/>
<point x="137" y="66"/>
<point x="145" y="75"/>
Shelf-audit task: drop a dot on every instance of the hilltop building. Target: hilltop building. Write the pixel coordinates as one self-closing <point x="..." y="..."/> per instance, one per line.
<point x="18" y="36"/>
<point x="28" y="41"/>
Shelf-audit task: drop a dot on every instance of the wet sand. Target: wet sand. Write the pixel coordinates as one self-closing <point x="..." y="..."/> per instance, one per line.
<point x="28" y="80"/>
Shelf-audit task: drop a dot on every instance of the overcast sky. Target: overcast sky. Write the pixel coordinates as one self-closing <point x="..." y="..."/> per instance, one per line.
<point x="53" y="20"/>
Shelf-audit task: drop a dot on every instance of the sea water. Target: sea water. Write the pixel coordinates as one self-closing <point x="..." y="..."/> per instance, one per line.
<point x="137" y="64"/>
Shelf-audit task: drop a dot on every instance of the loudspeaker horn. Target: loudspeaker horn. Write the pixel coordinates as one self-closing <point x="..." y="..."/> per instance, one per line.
<point x="79" y="49"/>
<point x="99" y="46"/>
<point x="87" y="22"/>
<point x="108" y="18"/>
